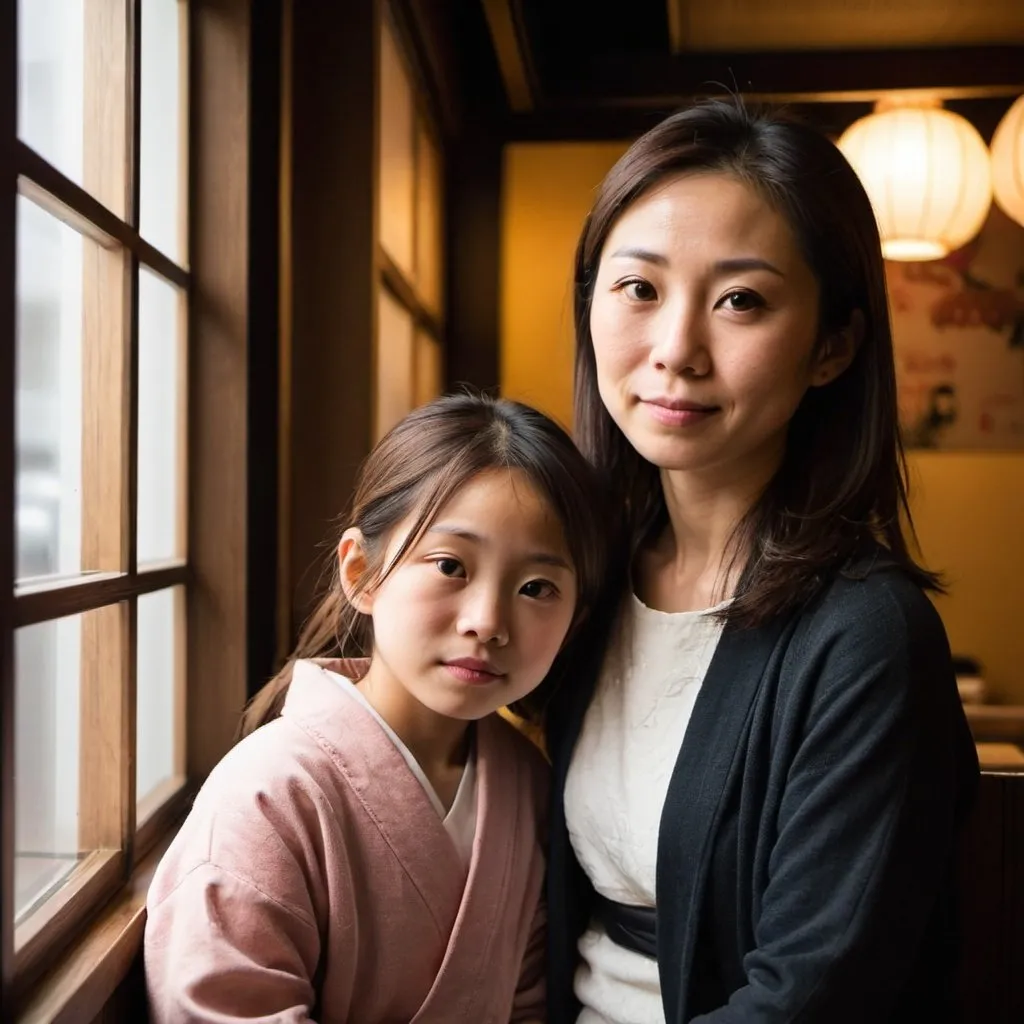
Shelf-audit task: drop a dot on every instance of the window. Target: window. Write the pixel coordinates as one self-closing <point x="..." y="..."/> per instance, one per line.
<point x="101" y="568"/>
<point x="410" y="308"/>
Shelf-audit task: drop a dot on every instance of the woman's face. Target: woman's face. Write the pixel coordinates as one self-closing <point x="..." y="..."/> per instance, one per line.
<point x="704" y="324"/>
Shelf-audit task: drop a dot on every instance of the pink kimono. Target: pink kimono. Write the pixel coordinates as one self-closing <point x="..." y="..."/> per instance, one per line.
<point x="314" y="880"/>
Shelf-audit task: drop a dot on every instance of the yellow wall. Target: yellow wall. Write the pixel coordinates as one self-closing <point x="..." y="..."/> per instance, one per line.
<point x="969" y="508"/>
<point x="548" y="188"/>
<point x="969" y="512"/>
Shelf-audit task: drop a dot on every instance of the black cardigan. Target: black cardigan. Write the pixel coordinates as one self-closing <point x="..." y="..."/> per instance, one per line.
<point x="805" y="854"/>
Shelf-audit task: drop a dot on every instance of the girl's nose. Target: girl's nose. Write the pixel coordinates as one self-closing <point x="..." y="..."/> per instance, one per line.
<point x="483" y="616"/>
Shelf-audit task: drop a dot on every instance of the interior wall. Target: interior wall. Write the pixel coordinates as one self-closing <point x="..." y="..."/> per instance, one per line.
<point x="968" y="507"/>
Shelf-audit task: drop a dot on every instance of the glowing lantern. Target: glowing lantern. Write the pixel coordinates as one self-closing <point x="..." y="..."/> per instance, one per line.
<point x="926" y="171"/>
<point x="1008" y="162"/>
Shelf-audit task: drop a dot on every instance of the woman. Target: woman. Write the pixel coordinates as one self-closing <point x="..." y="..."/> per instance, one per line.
<point x="758" y="793"/>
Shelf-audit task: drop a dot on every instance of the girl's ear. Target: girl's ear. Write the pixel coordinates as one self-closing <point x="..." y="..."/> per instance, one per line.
<point x="837" y="352"/>
<point x="352" y="568"/>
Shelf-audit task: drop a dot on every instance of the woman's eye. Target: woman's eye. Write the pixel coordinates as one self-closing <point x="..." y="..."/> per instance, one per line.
<point x="449" y="567"/>
<point x="537" y="589"/>
<point x="742" y="301"/>
<point x="640" y="290"/>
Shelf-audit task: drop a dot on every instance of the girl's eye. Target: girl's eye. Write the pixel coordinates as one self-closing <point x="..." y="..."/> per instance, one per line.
<point x="449" y="567"/>
<point x="742" y="301"/>
<point x="537" y="589"/>
<point x="639" y="290"/>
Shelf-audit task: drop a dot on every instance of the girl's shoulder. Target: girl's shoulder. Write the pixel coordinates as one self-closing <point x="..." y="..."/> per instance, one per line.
<point x="255" y="819"/>
<point x="518" y="741"/>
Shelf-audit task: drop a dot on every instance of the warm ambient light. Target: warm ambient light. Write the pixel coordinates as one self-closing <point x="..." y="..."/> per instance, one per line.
<point x="926" y="171"/>
<point x="1008" y="162"/>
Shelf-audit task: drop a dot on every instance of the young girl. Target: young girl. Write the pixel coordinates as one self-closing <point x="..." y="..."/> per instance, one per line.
<point x="372" y="850"/>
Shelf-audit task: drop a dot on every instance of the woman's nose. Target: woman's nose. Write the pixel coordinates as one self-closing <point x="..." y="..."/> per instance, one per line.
<point x="680" y="342"/>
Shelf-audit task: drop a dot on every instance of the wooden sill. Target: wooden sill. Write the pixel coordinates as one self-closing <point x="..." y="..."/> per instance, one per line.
<point x="89" y="972"/>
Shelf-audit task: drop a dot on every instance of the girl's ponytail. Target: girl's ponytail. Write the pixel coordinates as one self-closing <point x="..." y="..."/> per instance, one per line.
<point x="319" y="639"/>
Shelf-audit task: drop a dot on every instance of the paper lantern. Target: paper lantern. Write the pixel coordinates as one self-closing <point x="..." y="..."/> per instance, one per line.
<point x="926" y="171"/>
<point x="1008" y="162"/>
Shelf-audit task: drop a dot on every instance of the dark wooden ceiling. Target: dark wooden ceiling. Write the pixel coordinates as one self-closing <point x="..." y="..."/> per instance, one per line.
<point x="578" y="69"/>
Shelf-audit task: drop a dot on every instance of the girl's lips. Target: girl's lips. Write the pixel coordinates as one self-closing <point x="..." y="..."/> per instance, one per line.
<point x="472" y="670"/>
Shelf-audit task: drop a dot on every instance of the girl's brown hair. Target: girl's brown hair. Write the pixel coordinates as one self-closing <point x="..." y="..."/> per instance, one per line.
<point x="842" y="485"/>
<point x="412" y="472"/>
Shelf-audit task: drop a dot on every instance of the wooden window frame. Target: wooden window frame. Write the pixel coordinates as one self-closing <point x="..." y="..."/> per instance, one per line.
<point x="406" y="291"/>
<point x="81" y="941"/>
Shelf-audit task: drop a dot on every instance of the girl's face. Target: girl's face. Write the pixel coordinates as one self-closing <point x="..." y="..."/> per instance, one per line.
<point x="472" y="617"/>
<point x="704" y="324"/>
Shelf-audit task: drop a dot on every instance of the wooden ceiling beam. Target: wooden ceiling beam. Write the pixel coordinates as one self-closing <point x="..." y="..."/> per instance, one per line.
<point x="511" y="45"/>
<point x="659" y="81"/>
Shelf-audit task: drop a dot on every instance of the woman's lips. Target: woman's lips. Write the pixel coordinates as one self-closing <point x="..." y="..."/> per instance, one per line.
<point x="678" y="414"/>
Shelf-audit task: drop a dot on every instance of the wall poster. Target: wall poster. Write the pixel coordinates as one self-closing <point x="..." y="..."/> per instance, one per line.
<point x="958" y="333"/>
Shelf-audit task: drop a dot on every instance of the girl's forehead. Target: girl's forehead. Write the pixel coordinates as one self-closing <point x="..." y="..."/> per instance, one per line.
<point x="505" y="495"/>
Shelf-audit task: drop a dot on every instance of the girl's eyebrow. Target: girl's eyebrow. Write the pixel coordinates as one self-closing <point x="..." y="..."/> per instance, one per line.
<point x="542" y="557"/>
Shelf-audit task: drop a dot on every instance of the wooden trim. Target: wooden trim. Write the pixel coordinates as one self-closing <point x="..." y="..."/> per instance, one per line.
<point x="41" y="600"/>
<point x="220" y="70"/>
<point x="473" y="187"/>
<point x="285" y="317"/>
<point x="504" y="20"/>
<point x="265" y="297"/>
<point x="426" y="29"/>
<point x="90" y="971"/>
<point x="106" y="742"/>
<point x="105" y="718"/>
<point x="45" y="934"/>
<point x="676" y="24"/>
<point x="61" y="197"/>
<point x="158" y="811"/>
<point x="395" y="281"/>
<point x="106" y="124"/>
<point x="8" y="197"/>
<point x="106" y="398"/>
<point x="334" y="271"/>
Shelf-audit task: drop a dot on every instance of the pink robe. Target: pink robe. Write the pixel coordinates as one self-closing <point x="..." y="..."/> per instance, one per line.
<point x="314" y="880"/>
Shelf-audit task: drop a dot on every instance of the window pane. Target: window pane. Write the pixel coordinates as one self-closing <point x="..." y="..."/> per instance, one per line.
<point x="397" y="174"/>
<point x="46" y="801"/>
<point x="72" y="88"/>
<point x="395" y="367"/>
<point x="162" y="178"/>
<point x="160" y="695"/>
<point x="51" y="70"/>
<point x="161" y="419"/>
<point x="48" y="396"/>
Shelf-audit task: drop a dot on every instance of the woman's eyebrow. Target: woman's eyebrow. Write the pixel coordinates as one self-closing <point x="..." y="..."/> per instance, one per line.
<point x="634" y="253"/>
<point x="731" y="266"/>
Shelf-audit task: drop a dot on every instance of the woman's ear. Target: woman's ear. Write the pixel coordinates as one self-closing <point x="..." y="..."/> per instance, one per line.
<point x="352" y="568"/>
<point x="836" y="353"/>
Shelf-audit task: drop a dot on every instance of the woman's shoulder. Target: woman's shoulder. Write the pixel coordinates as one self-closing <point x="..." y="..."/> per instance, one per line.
<point x="872" y="628"/>
<point x="872" y="599"/>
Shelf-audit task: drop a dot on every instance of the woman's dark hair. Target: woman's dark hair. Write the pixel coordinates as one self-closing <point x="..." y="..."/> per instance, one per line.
<point x="412" y="472"/>
<point x="842" y="485"/>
